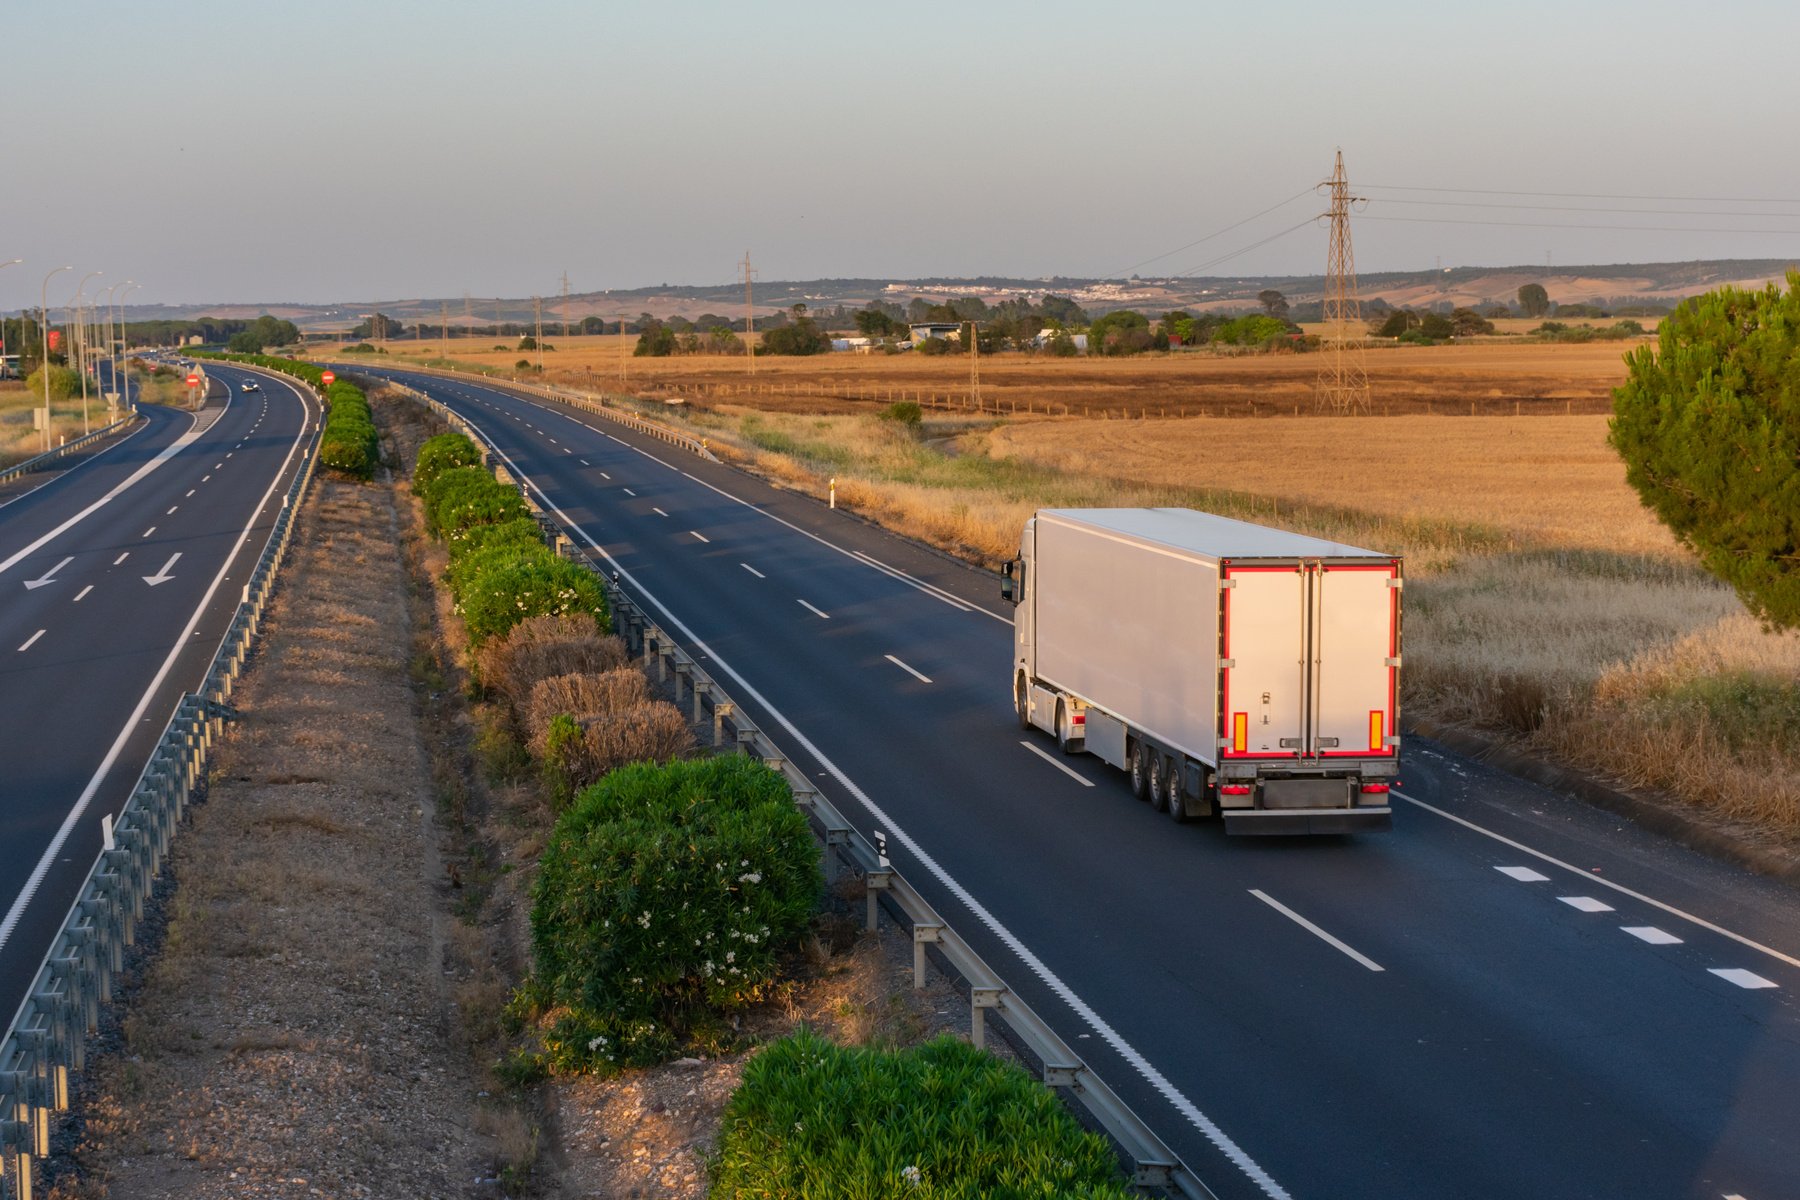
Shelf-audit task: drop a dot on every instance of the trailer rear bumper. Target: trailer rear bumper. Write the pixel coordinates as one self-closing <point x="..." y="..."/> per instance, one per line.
<point x="1267" y="822"/>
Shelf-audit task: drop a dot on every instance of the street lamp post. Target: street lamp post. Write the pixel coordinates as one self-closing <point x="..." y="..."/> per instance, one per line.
<point x="121" y="388"/>
<point x="80" y="344"/>
<point x="44" y="337"/>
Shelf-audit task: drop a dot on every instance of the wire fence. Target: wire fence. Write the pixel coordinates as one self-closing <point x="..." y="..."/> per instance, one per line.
<point x="46" y="1041"/>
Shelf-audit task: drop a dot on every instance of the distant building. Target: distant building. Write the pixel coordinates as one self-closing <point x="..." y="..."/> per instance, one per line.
<point x="1049" y="335"/>
<point x="949" y="331"/>
<point x="861" y="344"/>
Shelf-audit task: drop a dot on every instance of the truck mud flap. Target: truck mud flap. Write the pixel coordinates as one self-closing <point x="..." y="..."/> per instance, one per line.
<point x="1291" y="821"/>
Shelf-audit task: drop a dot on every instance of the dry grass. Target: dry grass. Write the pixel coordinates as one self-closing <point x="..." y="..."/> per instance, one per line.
<point x="648" y="731"/>
<point x="544" y="647"/>
<point x="580" y="696"/>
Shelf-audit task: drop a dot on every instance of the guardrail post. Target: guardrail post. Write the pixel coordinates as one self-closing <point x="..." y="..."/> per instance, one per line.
<point x="662" y="661"/>
<point x="875" y="882"/>
<point x="835" y="838"/>
<point x="924" y="934"/>
<point x="980" y="1000"/>
<point x="682" y="670"/>
<point x="701" y="688"/>
<point x="1062" y="1075"/>
<point x="746" y="742"/>
<point x="649" y="641"/>
<point x="721" y="709"/>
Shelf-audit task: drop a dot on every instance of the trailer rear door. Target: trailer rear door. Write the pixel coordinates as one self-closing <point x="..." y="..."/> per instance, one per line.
<point x="1355" y="658"/>
<point x="1265" y="614"/>
<point x="1310" y="660"/>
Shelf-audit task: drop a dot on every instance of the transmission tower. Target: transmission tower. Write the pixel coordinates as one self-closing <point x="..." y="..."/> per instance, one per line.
<point x="749" y="312"/>
<point x="1343" y="376"/>
<point x="565" y="305"/>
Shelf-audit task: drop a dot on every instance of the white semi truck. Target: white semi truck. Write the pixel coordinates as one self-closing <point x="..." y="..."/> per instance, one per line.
<point x="1229" y="668"/>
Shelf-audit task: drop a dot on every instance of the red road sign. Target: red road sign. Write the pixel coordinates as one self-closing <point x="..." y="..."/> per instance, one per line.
<point x="193" y="381"/>
<point x="328" y="379"/>
<point x="56" y="339"/>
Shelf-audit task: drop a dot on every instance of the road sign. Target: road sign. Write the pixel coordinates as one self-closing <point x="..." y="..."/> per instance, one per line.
<point x="193" y="380"/>
<point x="327" y="378"/>
<point x="56" y="339"/>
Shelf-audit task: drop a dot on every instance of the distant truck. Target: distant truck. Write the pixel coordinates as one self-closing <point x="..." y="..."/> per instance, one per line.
<point x="1229" y="668"/>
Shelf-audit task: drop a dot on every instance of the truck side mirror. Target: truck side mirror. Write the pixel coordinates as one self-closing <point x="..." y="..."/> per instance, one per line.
<point x="1008" y="585"/>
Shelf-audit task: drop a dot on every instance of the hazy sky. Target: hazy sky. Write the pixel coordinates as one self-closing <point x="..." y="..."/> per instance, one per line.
<point x="252" y="151"/>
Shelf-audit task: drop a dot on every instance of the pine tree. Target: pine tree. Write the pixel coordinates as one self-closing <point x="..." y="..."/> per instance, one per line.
<point x="1708" y="424"/>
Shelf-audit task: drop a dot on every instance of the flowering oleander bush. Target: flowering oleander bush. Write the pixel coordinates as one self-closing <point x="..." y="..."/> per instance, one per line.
<point x="667" y="895"/>
<point x="463" y="496"/>
<point x="497" y="588"/>
<point x="441" y="453"/>
<point x="942" y="1120"/>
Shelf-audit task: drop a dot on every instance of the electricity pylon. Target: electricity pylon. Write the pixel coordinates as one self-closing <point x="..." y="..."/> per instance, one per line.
<point x="1343" y="376"/>
<point x="749" y="312"/>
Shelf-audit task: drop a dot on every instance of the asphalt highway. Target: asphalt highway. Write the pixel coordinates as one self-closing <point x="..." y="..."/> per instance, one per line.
<point x="117" y="581"/>
<point x="1508" y="995"/>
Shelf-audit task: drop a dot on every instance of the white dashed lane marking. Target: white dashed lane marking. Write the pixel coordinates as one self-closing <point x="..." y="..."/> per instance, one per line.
<point x="1651" y="934"/>
<point x="1523" y="874"/>
<point x="821" y="612"/>
<point x="1586" y="904"/>
<point x="1741" y="977"/>
<point x="910" y="671"/>
<point x="753" y="570"/>
<point x="34" y="637"/>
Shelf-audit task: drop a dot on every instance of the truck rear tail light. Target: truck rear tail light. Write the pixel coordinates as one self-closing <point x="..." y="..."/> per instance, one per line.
<point x="1079" y="718"/>
<point x="1234" y="789"/>
<point x="1374" y="789"/>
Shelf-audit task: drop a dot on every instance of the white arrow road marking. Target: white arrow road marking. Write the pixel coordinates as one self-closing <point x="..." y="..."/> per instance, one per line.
<point x="163" y="575"/>
<point x="41" y="580"/>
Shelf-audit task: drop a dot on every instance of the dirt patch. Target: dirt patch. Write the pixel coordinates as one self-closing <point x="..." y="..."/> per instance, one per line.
<point x="294" y="1036"/>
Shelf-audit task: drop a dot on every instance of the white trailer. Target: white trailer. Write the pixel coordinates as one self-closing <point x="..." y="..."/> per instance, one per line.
<point x="1229" y="668"/>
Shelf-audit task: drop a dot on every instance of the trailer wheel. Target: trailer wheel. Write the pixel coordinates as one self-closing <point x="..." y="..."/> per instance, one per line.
<point x="1066" y="741"/>
<point x="1155" y="781"/>
<point x="1140" y="771"/>
<point x="1175" y="804"/>
<point x="1022" y="701"/>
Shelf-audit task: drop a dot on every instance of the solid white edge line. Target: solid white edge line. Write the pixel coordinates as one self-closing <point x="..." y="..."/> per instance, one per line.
<point x="820" y="612"/>
<point x="1307" y="925"/>
<point x="1065" y="768"/>
<point x="1689" y="917"/>
<point x="753" y="570"/>
<point x="916" y="674"/>
<point x="61" y="836"/>
<point x="1209" y="1128"/>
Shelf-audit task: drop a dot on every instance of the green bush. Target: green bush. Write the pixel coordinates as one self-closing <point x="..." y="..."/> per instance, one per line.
<point x="905" y="412"/>
<point x="470" y="539"/>
<point x="464" y="496"/>
<point x="504" y="585"/>
<point x="667" y="894"/>
<point x="943" y="1120"/>
<point x="439" y="454"/>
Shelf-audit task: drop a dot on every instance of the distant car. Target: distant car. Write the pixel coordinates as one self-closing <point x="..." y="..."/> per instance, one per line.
<point x="248" y="387"/>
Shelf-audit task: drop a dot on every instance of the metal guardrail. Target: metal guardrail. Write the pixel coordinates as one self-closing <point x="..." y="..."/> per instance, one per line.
<point x="598" y="404"/>
<point x="81" y="443"/>
<point x="1153" y="1164"/>
<point x="47" y="1039"/>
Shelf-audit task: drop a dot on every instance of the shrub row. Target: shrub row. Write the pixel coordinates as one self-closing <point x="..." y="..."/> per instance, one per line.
<point x="668" y="896"/>
<point x="500" y="572"/>
<point x="348" y="442"/>
<point x="813" y="1119"/>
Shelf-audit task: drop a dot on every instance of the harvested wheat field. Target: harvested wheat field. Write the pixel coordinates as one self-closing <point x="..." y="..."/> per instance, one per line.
<point x="1544" y="480"/>
<point x="1496" y="376"/>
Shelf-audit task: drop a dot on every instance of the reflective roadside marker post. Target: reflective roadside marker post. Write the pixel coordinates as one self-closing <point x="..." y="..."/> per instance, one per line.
<point x="834" y="491"/>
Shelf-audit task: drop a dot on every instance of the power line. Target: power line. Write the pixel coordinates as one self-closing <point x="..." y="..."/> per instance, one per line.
<point x="1394" y="187"/>
<point x="1224" y="258"/>
<point x="1209" y="237"/>
<point x="1647" y="212"/>
<point x="1597" y="228"/>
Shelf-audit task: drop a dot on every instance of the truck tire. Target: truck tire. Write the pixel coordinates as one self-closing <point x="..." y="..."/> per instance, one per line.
<point x="1154" y="780"/>
<point x="1174" y="803"/>
<point x="1140" y="771"/>
<point x="1066" y="741"/>
<point x="1022" y="702"/>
